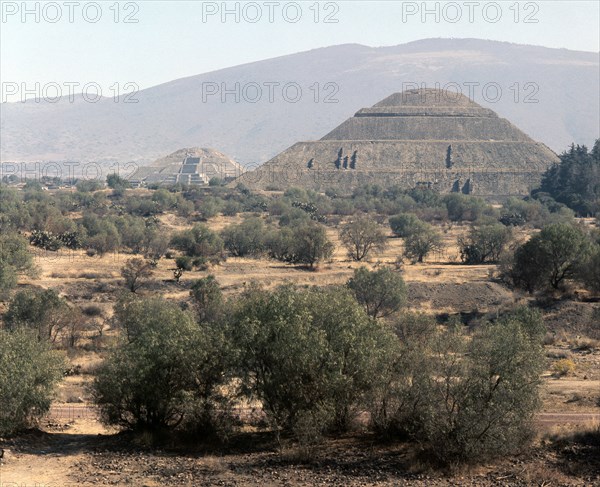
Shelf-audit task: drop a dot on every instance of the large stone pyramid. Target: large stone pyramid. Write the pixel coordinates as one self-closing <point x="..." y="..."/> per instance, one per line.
<point x="196" y="166"/>
<point x="427" y="138"/>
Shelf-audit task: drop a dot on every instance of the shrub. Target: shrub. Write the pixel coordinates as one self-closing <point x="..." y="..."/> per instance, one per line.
<point x="136" y="273"/>
<point x="469" y="400"/>
<point x="423" y="240"/>
<point x="208" y="298"/>
<point x="166" y="369"/>
<point x="42" y="311"/>
<point x="550" y="257"/>
<point x="199" y="241"/>
<point x="563" y="367"/>
<point x="362" y="236"/>
<point x="247" y="238"/>
<point x="114" y="181"/>
<point x="306" y="244"/>
<point x="589" y="271"/>
<point x="484" y="244"/>
<point x="308" y="355"/>
<point x="29" y="372"/>
<point x="381" y="292"/>
<point x="464" y="207"/>
<point x="404" y="224"/>
<point x="184" y="263"/>
<point x="88" y="185"/>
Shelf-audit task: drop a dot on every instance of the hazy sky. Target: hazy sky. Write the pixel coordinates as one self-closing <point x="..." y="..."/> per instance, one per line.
<point x="83" y="42"/>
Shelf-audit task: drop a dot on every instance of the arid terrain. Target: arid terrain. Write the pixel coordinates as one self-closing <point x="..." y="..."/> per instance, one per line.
<point x="71" y="446"/>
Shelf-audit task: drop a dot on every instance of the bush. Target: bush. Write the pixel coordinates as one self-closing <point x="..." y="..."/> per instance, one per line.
<point x="423" y="240"/>
<point x="184" y="262"/>
<point x="404" y="224"/>
<point x="309" y="356"/>
<point x="550" y="257"/>
<point x="463" y="207"/>
<point x="166" y="370"/>
<point x="199" y="241"/>
<point x="114" y="181"/>
<point x="306" y="244"/>
<point x="484" y="244"/>
<point x="563" y="367"/>
<point x="89" y="185"/>
<point x="381" y="292"/>
<point x="247" y="238"/>
<point x="29" y="372"/>
<point x="362" y="236"/>
<point x="42" y="311"/>
<point x="468" y="400"/>
<point x="589" y="271"/>
<point x="208" y="298"/>
<point x="136" y="273"/>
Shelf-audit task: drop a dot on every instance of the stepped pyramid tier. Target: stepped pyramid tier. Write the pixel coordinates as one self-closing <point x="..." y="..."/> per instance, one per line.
<point x="417" y="138"/>
<point x="187" y="166"/>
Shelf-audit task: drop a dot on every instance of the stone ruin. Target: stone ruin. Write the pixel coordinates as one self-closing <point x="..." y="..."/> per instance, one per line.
<point x="418" y="138"/>
<point x="192" y="166"/>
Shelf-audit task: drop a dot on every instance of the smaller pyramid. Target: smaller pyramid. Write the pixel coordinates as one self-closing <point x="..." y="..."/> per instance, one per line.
<point x="432" y="138"/>
<point x="193" y="166"/>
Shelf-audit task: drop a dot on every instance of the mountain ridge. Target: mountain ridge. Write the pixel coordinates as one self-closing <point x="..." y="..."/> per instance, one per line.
<point x="173" y="114"/>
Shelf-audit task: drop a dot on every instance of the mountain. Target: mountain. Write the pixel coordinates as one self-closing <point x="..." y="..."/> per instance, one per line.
<point x="551" y="94"/>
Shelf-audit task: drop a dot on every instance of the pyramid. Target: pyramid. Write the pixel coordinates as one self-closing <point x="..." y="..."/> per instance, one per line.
<point x="196" y="166"/>
<point x="417" y="138"/>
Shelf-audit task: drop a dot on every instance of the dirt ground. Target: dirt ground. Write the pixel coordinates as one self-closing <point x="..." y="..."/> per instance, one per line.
<point x="72" y="448"/>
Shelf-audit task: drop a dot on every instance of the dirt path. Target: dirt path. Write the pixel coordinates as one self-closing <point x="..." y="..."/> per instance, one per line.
<point x="567" y="418"/>
<point x="47" y="459"/>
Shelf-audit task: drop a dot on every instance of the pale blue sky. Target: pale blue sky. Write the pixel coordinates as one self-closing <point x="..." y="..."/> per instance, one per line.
<point x="171" y="40"/>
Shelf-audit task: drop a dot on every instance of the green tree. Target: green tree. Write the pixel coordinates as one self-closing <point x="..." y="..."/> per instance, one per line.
<point x="136" y="273"/>
<point x="484" y="244"/>
<point x="247" y="238"/>
<point x="114" y="181"/>
<point x="165" y="370"/>
<point x="29" y="373"/>
<point x="405" y="224"/>
<point x="381" y="292"/>
<point x="550" y="257"/>
<point x="208" y="298"/>
<point x="305" y="244"/>
<point x="199" y="241"/>
<point x="308" y="355"/>
<point x="41" y="310"/>
<point x="575" y="181"/>
<point x="421" y="242"/>
<point x="361" y="236"/>
<point x="15" y="259"/>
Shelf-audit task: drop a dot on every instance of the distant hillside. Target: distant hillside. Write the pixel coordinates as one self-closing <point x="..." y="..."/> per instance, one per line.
<point x="173" y="115"/>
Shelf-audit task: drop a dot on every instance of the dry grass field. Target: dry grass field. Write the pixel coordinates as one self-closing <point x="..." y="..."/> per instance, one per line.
<point x="73" y="448"/>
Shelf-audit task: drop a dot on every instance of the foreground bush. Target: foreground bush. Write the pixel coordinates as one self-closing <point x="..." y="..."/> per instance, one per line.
<point x="465" y="400"/>
<point x="309" y="356"/>
<point x="166" y="370"/>
<point x="29" y="372"/>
